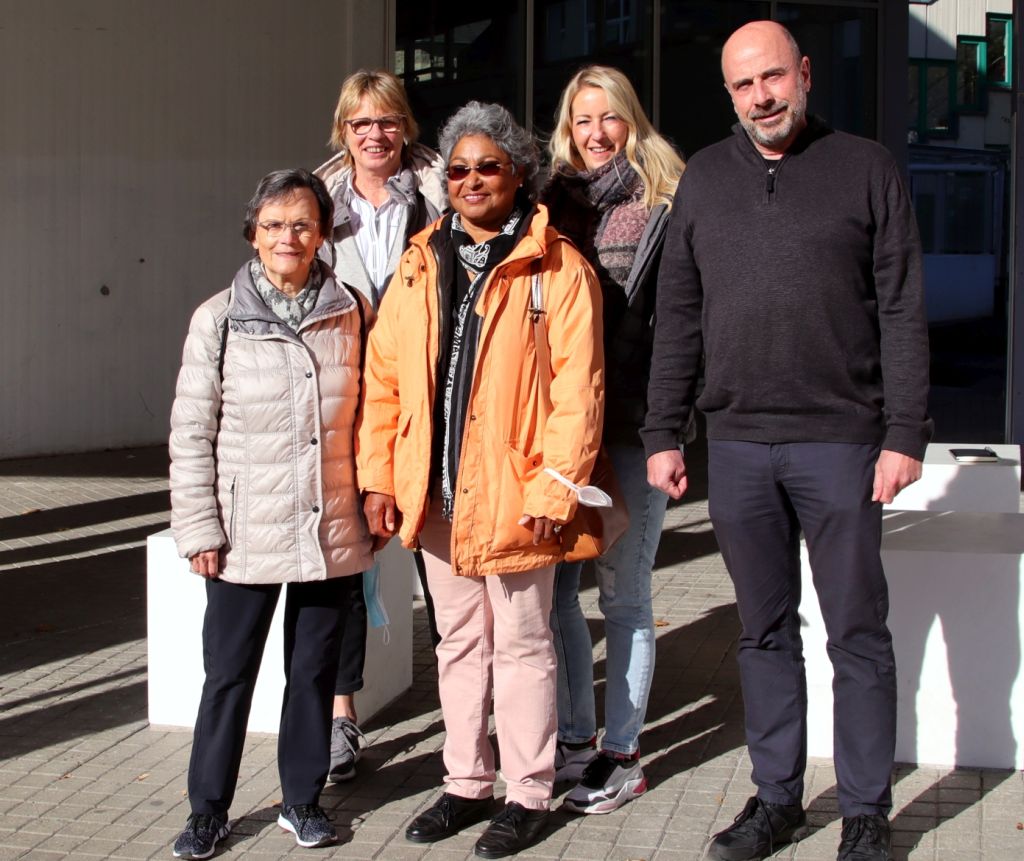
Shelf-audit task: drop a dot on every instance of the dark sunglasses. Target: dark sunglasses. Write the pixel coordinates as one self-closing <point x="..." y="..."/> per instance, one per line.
<point x="459" y="172"/>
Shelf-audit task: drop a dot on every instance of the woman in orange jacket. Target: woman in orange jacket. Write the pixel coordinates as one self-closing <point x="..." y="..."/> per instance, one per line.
<point x="457" y="431"/>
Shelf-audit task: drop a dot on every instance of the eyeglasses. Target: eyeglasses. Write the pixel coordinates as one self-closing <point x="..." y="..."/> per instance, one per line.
<point x="459" y="172"/>
<point x="362" y="125"/>
<point x="302" y="229"/>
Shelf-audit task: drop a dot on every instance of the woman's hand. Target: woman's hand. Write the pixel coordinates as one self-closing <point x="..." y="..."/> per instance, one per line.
<point x="381" y="517"/>
<point x="543" y="527"/>
<point x="206" y="563"/>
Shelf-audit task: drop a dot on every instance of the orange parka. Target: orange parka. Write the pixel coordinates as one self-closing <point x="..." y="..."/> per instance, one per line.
<point x="511" y="434"/>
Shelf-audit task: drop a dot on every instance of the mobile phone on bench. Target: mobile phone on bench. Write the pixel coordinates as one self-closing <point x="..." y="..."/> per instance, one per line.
<point x="974" y="455"/>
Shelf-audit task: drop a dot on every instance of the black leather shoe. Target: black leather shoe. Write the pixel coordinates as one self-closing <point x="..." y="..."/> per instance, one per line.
<point x="865" y="838"/>
<point x="511" y="831"/>
<point x="759" y="830"/>
<point x="448" y="816"/>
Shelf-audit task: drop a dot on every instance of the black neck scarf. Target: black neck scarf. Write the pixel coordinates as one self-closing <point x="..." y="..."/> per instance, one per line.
<point x="472" y="263"/>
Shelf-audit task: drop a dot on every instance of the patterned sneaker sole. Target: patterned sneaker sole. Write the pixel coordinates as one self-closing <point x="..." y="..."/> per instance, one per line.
<point x="306" y="844"/>
<point x="630" y="789"/>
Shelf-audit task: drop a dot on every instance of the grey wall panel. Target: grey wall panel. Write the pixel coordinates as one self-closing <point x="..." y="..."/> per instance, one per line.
<point x="132" y="134"/>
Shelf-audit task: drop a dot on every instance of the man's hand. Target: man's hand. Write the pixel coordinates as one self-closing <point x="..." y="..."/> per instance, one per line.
<point x="666" y="471"/>
<point x="206" y="563"/>
<point x="893" y="472"/>
<point x="543" y="527"/>
<point x="381" y="518"/>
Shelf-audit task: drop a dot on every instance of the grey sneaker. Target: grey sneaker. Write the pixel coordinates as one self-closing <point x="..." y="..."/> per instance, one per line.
<point x="608" y="782"/>
<point x="346" y="748"/>
<point x="308" y="823"/>
<point x="199" y="839"/>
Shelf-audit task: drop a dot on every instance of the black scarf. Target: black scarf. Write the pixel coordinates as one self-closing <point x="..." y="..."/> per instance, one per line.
<point x="470" y="265"/>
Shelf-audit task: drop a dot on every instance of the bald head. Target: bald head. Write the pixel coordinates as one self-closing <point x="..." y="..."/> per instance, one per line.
<point x="768" y="81"/>
<point x="759" y="34"/>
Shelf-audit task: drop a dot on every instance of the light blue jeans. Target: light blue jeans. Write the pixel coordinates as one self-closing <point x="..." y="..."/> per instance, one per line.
<point x="624" y="582"/>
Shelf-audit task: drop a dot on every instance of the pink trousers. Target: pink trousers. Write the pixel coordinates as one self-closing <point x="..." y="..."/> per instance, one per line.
<point x="495" y="634"/>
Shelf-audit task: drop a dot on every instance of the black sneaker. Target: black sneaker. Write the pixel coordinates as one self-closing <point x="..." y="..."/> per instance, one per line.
<point x="865" y="838"/>
<point x="515" y="828"/>
<point x="759" y="830"/>
<point x="308" y="823"/>
<point x="199" y="839"/>
<point x="346" y="748"/>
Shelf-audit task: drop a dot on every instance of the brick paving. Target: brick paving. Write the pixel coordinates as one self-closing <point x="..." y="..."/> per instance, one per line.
<point x="83" y="776"/>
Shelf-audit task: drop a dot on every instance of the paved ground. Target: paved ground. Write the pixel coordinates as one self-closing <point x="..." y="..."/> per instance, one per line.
<point x="83" y="776"/>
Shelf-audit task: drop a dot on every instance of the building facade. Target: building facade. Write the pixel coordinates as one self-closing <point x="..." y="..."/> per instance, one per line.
<point x="134" y="133"/>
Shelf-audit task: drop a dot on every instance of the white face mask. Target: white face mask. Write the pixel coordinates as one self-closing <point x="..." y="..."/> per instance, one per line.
<point x="590" y="496"/>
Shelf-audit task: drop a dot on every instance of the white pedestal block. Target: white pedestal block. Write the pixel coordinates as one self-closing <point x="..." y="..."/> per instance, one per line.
<point x="946" y="485"/>
<point x="957" y="616"/>
<point x="176" y="603"/>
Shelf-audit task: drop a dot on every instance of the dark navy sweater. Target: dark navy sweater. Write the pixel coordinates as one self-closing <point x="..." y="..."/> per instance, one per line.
<point x="801" y="285"/>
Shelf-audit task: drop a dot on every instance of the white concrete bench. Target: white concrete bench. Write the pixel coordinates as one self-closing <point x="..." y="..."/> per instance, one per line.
<point x="957" y="617"/>
<point x="946" y="485"/>
<point x="176" y="602"/>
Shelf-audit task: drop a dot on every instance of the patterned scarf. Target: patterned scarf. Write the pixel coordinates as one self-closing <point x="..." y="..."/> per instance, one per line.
<point x="613" y="195"/>
<point x="473" y="263"/>
<point x="290" y="311"/>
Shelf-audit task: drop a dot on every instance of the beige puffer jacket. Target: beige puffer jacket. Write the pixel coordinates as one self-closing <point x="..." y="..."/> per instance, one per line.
<point x="273" y="487"/>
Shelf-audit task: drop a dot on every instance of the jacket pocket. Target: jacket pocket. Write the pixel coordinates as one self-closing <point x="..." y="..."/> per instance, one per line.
<point x="516" y="470"/>
<point x="234" y="508"/>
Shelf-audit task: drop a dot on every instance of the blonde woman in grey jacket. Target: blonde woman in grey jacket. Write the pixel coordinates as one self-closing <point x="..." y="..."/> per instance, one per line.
<point x="263" y="492"/>
<point x="386" y="187"/>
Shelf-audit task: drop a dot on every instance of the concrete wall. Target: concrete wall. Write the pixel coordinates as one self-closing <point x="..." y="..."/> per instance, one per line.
<point x="132" y="134"/>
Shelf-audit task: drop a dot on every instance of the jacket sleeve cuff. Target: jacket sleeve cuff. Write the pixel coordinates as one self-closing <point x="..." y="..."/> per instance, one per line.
<point x="192" y="541"/>
<point x="658" y="440"/>
<point x="375" y="481"/>
<point x="906" y="440"/>
<point x="545" y="497"/>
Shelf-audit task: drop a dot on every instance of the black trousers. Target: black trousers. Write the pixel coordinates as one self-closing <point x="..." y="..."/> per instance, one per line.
<point x="234" y="634"/>
<point x="352" y="657"/>
<point x="760" y="498"/>
<point x="353" y="641"/>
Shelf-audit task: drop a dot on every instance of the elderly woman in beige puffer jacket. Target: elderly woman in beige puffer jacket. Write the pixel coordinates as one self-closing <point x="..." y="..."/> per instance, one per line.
<point x="263" y="493"/>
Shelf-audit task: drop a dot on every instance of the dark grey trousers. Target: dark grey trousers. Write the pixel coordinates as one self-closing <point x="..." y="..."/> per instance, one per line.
<point x="761" y="496"/>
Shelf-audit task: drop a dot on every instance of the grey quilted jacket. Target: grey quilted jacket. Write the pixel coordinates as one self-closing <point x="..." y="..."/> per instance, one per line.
<point x="271" y="483"/>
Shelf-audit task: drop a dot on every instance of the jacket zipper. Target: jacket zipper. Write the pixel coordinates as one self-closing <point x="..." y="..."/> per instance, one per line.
<point x="772" y="178"/>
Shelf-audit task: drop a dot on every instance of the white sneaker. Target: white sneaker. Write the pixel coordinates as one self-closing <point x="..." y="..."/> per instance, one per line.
<point x="608" y="783"/>
<point x="571" y="760"/>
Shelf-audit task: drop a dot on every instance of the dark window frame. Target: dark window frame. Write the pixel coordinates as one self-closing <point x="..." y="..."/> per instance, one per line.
<point x="980" y="104"/>
<point x="920" y="124"/>
<point x="1005" y="83"/>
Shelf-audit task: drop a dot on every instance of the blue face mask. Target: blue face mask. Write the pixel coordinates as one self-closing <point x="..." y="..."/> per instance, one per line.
<point x="376" y="612"/>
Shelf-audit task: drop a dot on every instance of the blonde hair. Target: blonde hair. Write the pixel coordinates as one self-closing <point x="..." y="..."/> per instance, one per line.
<point x="651" y="156"/>
<point x="382" y="88"/>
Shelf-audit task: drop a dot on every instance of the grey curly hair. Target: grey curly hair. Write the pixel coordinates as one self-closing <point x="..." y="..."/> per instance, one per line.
<point x="494" y="121"/>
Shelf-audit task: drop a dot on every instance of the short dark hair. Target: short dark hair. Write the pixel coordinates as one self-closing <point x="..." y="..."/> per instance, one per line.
<point x="282" y="183"/>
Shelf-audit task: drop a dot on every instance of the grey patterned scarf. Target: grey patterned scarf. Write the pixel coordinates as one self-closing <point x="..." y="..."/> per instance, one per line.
<point x="291" y="311"/>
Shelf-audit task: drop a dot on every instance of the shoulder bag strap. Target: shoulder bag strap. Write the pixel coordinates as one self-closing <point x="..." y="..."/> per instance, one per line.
<point x="540" y="334"/>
